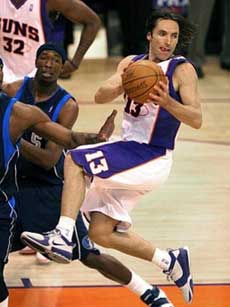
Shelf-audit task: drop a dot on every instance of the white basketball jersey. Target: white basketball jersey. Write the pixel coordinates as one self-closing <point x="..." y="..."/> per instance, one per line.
<point x="21" y="33"/>
<point x="149" y="123"/>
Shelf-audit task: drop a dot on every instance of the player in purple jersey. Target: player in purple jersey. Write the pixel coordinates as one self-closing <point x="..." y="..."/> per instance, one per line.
<point x="123" y="171"/>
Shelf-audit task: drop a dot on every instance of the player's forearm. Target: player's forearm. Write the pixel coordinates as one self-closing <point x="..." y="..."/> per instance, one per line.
<point x="187" y="114"/>
<point x="65" y="137"/>
<point x="108" y="93"/>
<point x="88" y="35"/>
<point x="81" y="138"/>
<point x="37" y="155"/>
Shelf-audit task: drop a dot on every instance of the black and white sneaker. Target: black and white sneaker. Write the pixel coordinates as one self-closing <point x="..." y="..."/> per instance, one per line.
<point x="156" y="297"/>
<point x="179" y="272"/>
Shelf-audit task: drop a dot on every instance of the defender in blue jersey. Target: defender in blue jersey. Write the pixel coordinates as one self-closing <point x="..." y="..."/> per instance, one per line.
<point x="125" y="170"/>
<point x="40" y="175"/>
<point x="15" y="119"/>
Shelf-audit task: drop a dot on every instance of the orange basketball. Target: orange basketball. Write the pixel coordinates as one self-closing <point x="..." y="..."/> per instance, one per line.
<point x="139" y="79"/>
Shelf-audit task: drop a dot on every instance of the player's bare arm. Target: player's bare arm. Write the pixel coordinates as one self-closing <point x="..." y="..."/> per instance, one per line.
<point x="47" y="157"/>
<point x="30" y="117"/>
<point x="77" y="12"/>
<point x="185" y="80"/>
<point x="112" y="87"/>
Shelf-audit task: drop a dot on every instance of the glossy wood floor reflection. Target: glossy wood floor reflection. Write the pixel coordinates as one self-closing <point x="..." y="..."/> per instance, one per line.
<point x="192" y="208"/>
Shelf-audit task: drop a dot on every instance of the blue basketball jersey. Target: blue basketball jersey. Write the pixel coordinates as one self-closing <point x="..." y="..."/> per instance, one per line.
<point x="149" y="123"/>
<point x="52" y="107"/>
<point x="8" y="151"/>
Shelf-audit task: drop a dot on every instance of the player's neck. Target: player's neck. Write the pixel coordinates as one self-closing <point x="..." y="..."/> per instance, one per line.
<point x="43" y="90"/>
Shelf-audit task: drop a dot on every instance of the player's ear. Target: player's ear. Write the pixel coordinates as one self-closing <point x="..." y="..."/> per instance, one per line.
<point x="149" y="36"/>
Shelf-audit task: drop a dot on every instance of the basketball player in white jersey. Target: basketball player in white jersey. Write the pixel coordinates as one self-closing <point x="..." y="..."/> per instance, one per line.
<point x="27" y="24"/>
<point x="125" y="170"/>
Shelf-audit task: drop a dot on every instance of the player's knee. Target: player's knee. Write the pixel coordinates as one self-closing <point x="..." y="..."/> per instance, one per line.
<point x="3" y="289"/>
<point x="99" y="237"/>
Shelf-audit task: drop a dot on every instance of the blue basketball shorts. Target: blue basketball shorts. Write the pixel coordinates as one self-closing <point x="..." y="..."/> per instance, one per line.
<point x="8" y="217"/>
<point x="38" y="208"/>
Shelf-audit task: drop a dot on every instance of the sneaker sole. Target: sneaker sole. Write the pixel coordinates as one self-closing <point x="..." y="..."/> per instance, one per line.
<point x="41" y="249"/>
<point x="189" y="279"/>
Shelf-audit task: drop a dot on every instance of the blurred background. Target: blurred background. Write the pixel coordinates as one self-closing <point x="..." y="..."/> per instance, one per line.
<point x="123" y="31"/>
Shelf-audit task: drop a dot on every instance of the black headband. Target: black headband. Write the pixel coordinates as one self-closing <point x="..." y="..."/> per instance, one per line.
<point x="53" y="47"/>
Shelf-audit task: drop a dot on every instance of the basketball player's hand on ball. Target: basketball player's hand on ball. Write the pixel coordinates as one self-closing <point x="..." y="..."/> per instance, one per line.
<point x="108" y="127"/>
<point x="161" y="94"/>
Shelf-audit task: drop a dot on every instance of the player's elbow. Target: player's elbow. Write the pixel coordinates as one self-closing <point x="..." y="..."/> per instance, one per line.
<point x="197" y="122"/>
<point x="94" y="23"/>
<point x="97" y="23"/>
<point x="100" y="98"/>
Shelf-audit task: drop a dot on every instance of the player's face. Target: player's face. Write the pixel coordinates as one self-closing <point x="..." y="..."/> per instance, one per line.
<point x="163" y="39"/>
<point x="49" y="66"/>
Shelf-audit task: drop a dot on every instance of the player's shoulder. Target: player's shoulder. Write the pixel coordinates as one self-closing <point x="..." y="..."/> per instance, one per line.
<point x="12" y="88"/>
<point x="71" y="105"/>
<point x="185" y="69"/>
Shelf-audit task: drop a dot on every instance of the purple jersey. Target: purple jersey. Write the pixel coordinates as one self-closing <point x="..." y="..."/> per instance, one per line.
<point x="149" y="123"/>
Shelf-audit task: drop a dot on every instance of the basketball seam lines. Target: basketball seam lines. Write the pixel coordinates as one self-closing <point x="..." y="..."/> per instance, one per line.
<point x="134" y="97"/>
<point x="139" y="78"/>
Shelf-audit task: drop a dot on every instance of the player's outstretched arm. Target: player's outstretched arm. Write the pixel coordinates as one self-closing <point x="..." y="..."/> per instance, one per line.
<point x="26" y="117"/>
<point x="71" y="139"/>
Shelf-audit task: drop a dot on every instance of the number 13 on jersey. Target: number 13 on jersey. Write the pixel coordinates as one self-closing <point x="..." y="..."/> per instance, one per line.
<point x="97" y="162"/>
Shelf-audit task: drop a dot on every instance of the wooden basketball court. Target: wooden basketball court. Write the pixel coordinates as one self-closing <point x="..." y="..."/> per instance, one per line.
<point x="192" y="209"/>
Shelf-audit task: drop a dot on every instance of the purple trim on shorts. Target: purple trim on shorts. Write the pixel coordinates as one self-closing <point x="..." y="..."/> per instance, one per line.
<point x="119" y="156"/>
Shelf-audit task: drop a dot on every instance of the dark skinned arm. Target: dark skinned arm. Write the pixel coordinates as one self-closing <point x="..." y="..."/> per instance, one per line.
<point x="77" y="12"/>
<point x="48" y="157"/>
<point x="29" y="117"/>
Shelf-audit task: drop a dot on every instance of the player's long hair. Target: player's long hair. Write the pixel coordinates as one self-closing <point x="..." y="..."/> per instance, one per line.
<point x="187" y="29"/>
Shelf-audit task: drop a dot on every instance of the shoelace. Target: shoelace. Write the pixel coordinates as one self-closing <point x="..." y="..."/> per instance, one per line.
<point x="168" y="273"/>
<point x="51" y="232"/>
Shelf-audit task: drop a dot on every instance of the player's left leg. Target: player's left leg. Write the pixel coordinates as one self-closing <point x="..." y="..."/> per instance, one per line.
<point x="174" y="263"/>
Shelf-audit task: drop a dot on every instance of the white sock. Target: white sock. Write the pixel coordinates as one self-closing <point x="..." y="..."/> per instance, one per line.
<point x="5" y="302"/>
<point x="137" y="284"/>
<point x="66" y="226"/>
<point x="162" y="259"/>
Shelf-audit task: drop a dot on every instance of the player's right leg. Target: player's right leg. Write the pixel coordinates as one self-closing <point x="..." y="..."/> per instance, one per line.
<point x="113" y="269"/>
